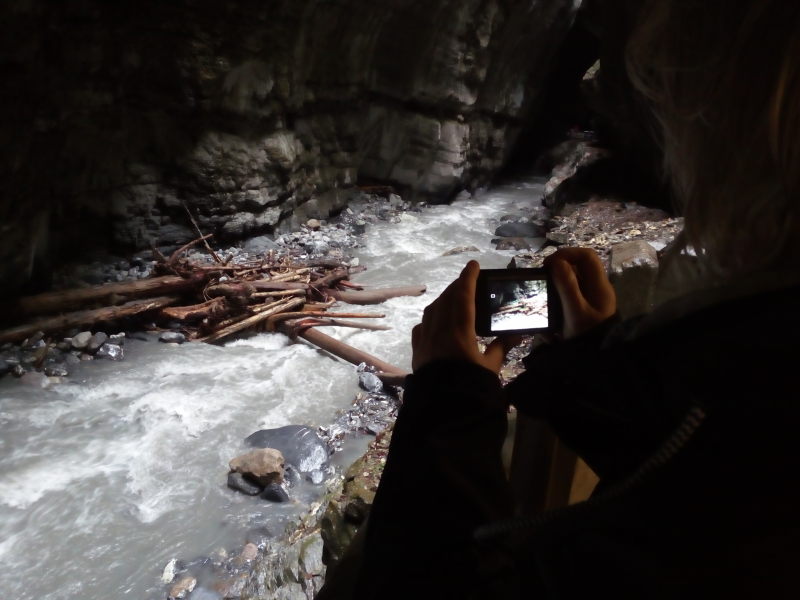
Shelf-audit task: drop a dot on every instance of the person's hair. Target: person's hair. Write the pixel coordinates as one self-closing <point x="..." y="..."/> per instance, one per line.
<point x="723" y="80"/>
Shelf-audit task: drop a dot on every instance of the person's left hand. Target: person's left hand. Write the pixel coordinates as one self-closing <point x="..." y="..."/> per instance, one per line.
<point x="447" y="330"/>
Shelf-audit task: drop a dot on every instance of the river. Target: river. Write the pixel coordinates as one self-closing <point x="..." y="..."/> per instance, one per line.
<point x="107" y="476"/>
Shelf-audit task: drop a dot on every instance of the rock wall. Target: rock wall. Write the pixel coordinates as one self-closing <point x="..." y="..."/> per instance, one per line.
<point x="116" y="115"/>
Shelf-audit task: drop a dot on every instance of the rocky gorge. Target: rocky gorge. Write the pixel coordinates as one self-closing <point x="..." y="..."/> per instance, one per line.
<point x="330" y="129"/>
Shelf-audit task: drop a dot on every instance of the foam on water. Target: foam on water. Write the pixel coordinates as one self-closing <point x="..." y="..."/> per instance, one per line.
<point x="106" y="477"/>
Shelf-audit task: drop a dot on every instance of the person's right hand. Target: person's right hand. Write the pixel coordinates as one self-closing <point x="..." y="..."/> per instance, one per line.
<point x="587" y="297"/>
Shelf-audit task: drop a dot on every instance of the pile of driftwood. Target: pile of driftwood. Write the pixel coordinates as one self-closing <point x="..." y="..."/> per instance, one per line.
<point x="212" y="301"/>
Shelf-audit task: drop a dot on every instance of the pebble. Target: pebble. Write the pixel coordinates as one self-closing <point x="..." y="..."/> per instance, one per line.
<point x="97" y="340"/>
<point x="274" y="493"/>
<point x="172" y="337"/>
<point x="111" y="352"/>
<point x="80" y="340"/>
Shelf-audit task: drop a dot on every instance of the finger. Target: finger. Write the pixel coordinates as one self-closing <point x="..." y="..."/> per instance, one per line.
<point x="593" y="280"/>
<point x="567" y="286"/>
<point x="495" y="353"/>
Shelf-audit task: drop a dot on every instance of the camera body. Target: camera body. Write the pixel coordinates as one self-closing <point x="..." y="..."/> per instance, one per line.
<point x="519" y="301"/>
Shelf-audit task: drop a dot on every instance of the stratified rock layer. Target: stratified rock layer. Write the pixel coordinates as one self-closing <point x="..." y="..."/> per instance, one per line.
<point x="117" y="114"/>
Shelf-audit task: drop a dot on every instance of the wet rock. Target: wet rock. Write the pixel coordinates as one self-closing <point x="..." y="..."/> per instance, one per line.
<point x="238" y="482"/>
<point x="291" y="475"/>
<point x="264" y="465"/>
<point x="86" y="356"/>
<point x="111" y="352"/>
<point x="117" y="339"/>
<point x="248" y="553"/>
<point x="97" y="340"/>
<point x="4" y="367"/>
<point x="230" y="588"/>
<point x="370" y="382"/>
<point x="18" y="371"/>
<point x="65" y="345"/>
<point x="72" y="359"/>
<point x="519" y="230"/>
<point x="313" y="224"/>
<point x="56" y="370"/>
<point x="460" y="250"/>
<point x="172" y="337"/>
<point x="275" y="493"/>
<point x="300" y="445"/>
<point x="182" y="587"/>
<point x="140" y="336"/>
<point x="517" y="243"/>
<point x="360" y="226"/>
<point x="316" y="476"/>
<point x="81" y="340"/>
<point x="203" y="593"/>
<point x="169" y="572"/>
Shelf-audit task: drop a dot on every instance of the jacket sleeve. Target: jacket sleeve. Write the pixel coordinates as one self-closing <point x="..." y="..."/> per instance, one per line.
<point x="443" y="478"/>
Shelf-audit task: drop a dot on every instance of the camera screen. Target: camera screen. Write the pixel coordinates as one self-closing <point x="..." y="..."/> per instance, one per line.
<point x="518" y="304"/>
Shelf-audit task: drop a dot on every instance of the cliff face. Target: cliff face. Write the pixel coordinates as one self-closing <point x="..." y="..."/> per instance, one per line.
<point x="117" y="114"/>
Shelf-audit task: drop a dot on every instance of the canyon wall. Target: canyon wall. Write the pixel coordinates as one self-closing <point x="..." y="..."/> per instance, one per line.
<point x="119" y="117"/>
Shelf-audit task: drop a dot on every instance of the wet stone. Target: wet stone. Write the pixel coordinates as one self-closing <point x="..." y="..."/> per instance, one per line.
<point x="182" y="588"/>
<point x="316" y="477"/>
<point x="370" y="382"/>
<point x="514" y="230"/>
<point x="18" y="371"/>
<point x="81" y="340"/>
<point x="97" y="340"/>
<point x="71" y="359"/>
<point x="170" y="570"/>
<point x="57" y="370"/>
<point x="203" y="593"/>
<point x="274" y="493"/>
<point x="238" y="482"/>
<point x="86" y="356"/>
<point x="33" y="341"/>
<point x="299" y="445"/>
<point x="4" y="367"/>
<point x="172" y="337"/>
<point x="110" y="352"/>
<point x="64" y="346"/>
<point x="117" y="339"/>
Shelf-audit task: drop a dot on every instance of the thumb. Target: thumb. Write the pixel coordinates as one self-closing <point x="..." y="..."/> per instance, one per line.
<point x="496" y="352"/>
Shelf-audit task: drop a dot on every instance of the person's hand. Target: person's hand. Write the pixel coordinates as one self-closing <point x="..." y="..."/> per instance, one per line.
<point x="587" y="297"/>
<point x="448" y="328"/>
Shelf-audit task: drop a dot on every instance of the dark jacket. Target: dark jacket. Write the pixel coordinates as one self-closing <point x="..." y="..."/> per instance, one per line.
<point x="692" y="427"/>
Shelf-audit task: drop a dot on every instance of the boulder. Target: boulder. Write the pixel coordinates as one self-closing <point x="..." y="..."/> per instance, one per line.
<point x="111" y="352"/>
<point x="263" y="466"/>
<point x="300" y="445"/>
<point x="275" y="493"/>
<point x="237" y="481"/>
<point x="182" y="588"/>
<point x="519" y="230"/>
<point x="172" y="337"/>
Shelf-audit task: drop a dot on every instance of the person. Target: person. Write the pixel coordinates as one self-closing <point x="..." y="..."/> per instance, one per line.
<point x="689" y="415"/>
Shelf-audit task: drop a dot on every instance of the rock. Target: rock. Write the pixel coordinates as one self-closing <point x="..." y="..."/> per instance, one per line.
<point x="111" y="352"/>
<point x="313" y="224"/>
<point x="238" y="482"/>
<point x="360" y="226"/>
<point x="519" y="230"/>
<point x="97" y="340"/>
<point x="291" y="475"/>
<point x="260" y="245"/>
<point x="316" y="476"/>
<point x="460" y="250"/>
<point x="118" y="339"/>
<point x="230" y="588"/>
<point x="169" y="572"/>
<point x="172" y="337"/>
<point x="182" y="587"/>
<point x="275" y="493"/>
<point x="395" y="201"/>
<point x="33" y="341"/>
<point x="18" y="370"/>
<point x="264" y="465"/>
<point x="249" y="552"/>
<point x="86" y="356"/>
<point x="72" y="360"/>
<point x="56" y="370"/>
<point x="4" y="367"/>
<point x="300" y="445"/>
<point x="80" y="340"/>
<point x="65" y="345"/>
<point x="370" y="382"/>
<point x="203" y="593"/>
<point x="516" y="243"/>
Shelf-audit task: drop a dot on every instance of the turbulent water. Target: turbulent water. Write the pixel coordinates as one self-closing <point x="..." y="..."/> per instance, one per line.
<point x="106" y="477"/>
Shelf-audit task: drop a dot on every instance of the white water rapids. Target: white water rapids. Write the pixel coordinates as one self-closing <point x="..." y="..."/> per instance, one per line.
<point x="106" y="477"/>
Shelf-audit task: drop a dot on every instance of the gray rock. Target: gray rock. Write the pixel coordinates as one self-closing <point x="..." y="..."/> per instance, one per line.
<point x="513" y="230"/>
<point x="460" y="250"/>
<point x="97" y="340"/>
<point x="313" y="224"/>
<point x="274" y="493"/>
<point x="4" y="367"/>
<point x="81" y="340"/>
<point x="370" y="382"/>
<point x="238" y="482"/>
<point x="18" y="370"/>
<point x="291" y="475"/>
<point x="300" y="446"/>
<point x="172" y="337"/>
<point x="111" y="352"/>
<point x="360" y="226"/>
<point x="86" y="356"/>
<point x="117" y="339"/>
<point x="316" y="476"/>
<point x="260" y="245"/>
<point x="64" y="346"/>
<point x="35" y="341"/>
<point x="182" y="587"/>
<point x="72" y="359"/>
<point x="56" y="370"/>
